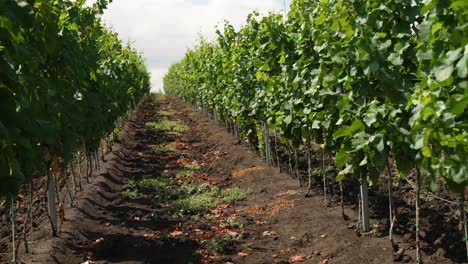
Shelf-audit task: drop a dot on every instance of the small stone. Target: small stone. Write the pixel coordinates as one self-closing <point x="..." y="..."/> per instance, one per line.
<point x="440" y="252"/>
<point x="437" y="241"/>
<point x="398" y="256"/>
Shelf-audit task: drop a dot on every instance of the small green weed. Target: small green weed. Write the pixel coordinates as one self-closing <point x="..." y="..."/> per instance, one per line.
<point x="185" y="173"/>
<point x="166" y="113"/>
<point x="115" y="135"/>
<point x="191" y="166"/>
<point x="158" y="96"/>
<point x="235" y="224"/>
<point x="130" y="194"/>
<point x="165" y="148"/>
<point x="197" y="202"/>
<point x="155" y="184"/>
<point x="203" y="196"/>
<point x="174" y="127"/>
<point x="198" y="187"/>
<point x="223" y="244"/>
<point x="234" y="194"/>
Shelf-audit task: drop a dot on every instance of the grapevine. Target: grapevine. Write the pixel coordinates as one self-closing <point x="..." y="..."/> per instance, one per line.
<point x="374" y="83"/>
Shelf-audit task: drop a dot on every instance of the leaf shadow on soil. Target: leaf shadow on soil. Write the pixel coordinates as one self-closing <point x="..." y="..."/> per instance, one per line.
<point x="119" y="247"/>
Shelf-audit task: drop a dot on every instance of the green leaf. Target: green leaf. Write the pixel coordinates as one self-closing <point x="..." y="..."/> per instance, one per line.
<point x="370" y="118"/>
<point x="419" y="141"/>
<point x="462" y="67"/>
<point x="425" y="30"/>
<point x="442" y="73"/>
<point x="453" y="55"/>
<point x="344" y="131"/>
<point x="363" y="161"/>
<point x="282" y="59"/>
<point x="457" y="104"/>
<point x="288" y="119"/>
<point x="340" y="177"/>
<point x="401" y="46"/>
<point x="342" y="174"/>
<point x="341" y="158"/>
<point x="426" y="151"/>
<point x="424" y="55"/>
<point x="395" y="59"/>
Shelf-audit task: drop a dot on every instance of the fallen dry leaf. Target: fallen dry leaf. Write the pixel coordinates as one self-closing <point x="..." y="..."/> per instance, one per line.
<point x="231" y="233"/>
<point x="270" y="233"/>
<point x="176" y="233"/>
<point x="243" y="254"/>
<point x="151" y="236"/>
<point x="165" y="205"/>
<point x="244" y="172"/>
<point x="296" y="259"/>
<point x="287" y="193"/>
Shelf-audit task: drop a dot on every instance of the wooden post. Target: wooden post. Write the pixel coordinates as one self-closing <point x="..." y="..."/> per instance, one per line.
<point x="324" y="176"/>
<point x="463" y="220"/>
<point x="267" y="144"/>
<point x="418" y="201"/>
<point x="365" y="204"/>
<point x="51" y="208"/>
<point x="13" y="231"/>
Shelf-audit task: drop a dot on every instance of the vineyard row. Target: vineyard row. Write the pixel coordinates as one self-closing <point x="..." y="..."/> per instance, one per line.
<point x="373" y="83"/>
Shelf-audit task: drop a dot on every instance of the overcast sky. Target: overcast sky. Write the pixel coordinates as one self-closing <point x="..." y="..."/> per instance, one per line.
<point x="164" y="29"/>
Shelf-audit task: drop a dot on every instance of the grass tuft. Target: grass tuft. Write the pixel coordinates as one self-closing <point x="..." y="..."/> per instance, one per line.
<point x="158" y="96"/>
<point x="165" y="148"/>
<point x="185" y="173"/>
<point x="130" y="194"/>
<point x="166" y="113"/>
<point x="198" y="202"/>
<point x="234" y="194"/>
<point x="191" y="166"/>
<point x="174" y="127"/>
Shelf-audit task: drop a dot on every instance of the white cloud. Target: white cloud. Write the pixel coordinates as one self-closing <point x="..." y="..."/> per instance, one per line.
<point x="164" y="29"/>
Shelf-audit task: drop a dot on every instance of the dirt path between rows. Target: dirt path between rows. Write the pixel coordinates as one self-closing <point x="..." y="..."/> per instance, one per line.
<point x="273" y="224"/>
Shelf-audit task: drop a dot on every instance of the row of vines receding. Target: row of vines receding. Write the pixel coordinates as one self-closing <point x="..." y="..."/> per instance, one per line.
<point x="380" y="86"/>
<point x="66" y="81"/>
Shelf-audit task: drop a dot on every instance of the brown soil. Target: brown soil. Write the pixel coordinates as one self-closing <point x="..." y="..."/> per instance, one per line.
<point x="278" y="222"/>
